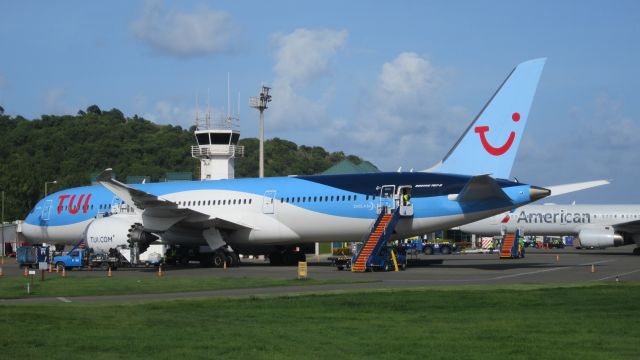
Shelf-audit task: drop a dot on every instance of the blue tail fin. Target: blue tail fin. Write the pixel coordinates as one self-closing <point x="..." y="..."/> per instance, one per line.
<point x="490" y="143"/>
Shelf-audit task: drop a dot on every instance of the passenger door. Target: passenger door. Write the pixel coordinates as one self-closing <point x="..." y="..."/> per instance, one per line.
<point x="46" y="210"/>
<point x="268" y="202"/>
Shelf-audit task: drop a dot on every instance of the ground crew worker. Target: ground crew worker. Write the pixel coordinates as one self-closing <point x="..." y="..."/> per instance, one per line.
<point x="405" y="198"/>
<point x="522" y="246"/>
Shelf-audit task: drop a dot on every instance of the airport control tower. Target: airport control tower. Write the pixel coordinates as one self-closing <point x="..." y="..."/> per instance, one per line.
<point x="217" y="147"/>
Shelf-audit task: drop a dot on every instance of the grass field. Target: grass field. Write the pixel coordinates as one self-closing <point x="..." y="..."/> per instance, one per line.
<point x="16" y="287"/>
<point x="594" y="321"/>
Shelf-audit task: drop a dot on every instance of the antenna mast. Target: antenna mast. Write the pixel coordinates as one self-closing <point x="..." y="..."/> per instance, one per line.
<point x="260" y="102"/>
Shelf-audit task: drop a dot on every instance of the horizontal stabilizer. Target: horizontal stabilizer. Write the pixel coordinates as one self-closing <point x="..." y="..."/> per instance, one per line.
<point x="482" y="188"/>
<point x="569" y="188"/>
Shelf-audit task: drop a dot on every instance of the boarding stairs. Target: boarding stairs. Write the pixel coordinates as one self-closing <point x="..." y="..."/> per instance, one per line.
<point x="378" y="236"/>
<point x="510" y="246"/>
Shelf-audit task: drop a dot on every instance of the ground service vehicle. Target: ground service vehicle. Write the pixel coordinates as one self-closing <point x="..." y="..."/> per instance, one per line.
<point x="430" y="248"/>
<point x="30" y="256"/>
<point x="81" y="258"/>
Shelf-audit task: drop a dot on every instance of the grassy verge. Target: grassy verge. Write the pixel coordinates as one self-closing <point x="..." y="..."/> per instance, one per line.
<point x="576" y="322"/>
<point x="16" y="287"/>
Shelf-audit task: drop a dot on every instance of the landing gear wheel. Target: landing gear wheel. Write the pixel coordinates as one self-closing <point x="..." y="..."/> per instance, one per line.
<point x="218" y="259"/>
<point x="445" y="250"/>
<point x="428" y="250"/>
<point x="233" y="260"/>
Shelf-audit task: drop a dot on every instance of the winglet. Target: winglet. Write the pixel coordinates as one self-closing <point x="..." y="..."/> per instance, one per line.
<point x="490" y="143"/>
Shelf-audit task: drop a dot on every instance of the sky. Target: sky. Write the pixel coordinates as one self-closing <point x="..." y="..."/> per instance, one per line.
<point x="394" y="82"/>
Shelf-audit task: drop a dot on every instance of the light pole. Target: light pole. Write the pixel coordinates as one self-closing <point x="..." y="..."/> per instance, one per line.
<point x="260" y="103"/>
<point x="46" y="192"/>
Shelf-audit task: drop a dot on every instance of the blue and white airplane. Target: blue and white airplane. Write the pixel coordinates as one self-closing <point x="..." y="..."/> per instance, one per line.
<point x="275" y="215"/>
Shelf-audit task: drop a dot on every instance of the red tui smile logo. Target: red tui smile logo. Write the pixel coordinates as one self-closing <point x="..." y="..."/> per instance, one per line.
<point x="497" y="151"/>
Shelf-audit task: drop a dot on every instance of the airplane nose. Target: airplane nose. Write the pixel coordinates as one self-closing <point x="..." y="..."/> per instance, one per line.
<point x="536" y="193"/>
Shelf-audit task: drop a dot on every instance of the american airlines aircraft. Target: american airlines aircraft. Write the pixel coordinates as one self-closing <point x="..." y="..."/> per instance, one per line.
<point x="275" y="215"/>
<point x="594" y="225"/>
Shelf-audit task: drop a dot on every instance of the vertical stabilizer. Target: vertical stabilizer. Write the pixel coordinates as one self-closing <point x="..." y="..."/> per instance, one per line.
<point x="490" y="143"/>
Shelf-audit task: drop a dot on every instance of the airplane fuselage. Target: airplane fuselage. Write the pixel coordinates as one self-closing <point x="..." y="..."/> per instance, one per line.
<point x="281" y="210"/>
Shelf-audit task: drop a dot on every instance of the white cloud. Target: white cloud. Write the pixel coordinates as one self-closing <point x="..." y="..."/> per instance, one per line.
<point x="599" y="141"/>
<point x="305" y="54"/>
<point x="200" y="32"/>
<point x="408" y="121"/>
<point x="300" y="58"/>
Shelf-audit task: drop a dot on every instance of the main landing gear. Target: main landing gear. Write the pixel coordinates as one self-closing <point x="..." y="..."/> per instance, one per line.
<point x="220" y="258"/>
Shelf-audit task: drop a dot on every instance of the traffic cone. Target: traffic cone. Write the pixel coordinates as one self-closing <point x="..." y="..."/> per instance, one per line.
<point x="224" y="266"/>
<point x="57" y="269"/>
<point x="26" y="272"/>
<point x="50" y="268"/>
<point x="109" y="272"/>
<point x="593" y="268"/>
<point x="64" y="272"/>
<point x="160" y="271"/>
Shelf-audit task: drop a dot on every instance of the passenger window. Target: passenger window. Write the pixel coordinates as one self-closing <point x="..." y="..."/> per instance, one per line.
<point x="342" y="197"/>
<point x="315" y="199"/>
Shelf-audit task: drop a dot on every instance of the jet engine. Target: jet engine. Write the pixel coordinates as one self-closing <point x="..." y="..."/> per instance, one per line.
<point x="600" y="238"/>
<point x="117" y="231"/>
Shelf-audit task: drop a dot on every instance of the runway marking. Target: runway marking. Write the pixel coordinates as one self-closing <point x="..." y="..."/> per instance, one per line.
<point x="526" y="273"/>
<point x="612" y="276"/>
<point x="502" y="276"/>
<point x="64" y="300"/>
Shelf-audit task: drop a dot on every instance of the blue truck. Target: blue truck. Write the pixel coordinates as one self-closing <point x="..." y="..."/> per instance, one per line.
<point x="82" y="258"/>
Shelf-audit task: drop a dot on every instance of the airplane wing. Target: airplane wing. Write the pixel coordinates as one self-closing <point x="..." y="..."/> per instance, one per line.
<point x="160" y="214"/>
<point x="568" y="188"/>
<point x="632" y="227"/>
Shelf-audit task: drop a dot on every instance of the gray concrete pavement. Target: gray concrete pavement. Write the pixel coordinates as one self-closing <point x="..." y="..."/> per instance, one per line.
<point x="539" y="266"/>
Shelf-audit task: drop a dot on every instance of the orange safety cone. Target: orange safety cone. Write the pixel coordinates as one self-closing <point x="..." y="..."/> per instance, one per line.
<point x="224" y="266"/>
<point x="160" y="271"/>
<point x="26" y="272"/>
<point x="57" y="269"/>
<point x="109" y="272"/>
<point x="64" y="273"/>
<point x="50" y="268"/>
<point x="593" y="268"/>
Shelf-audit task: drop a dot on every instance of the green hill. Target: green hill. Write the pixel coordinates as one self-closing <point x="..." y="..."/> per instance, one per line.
<point x="70" y="148"/>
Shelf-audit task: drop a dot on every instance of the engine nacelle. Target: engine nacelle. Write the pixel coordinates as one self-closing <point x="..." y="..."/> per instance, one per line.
<point x="115" y="231"/>
<point x="604" y="237"/>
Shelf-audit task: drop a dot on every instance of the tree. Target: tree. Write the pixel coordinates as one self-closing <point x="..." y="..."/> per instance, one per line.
<point x="94" y="109"/>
